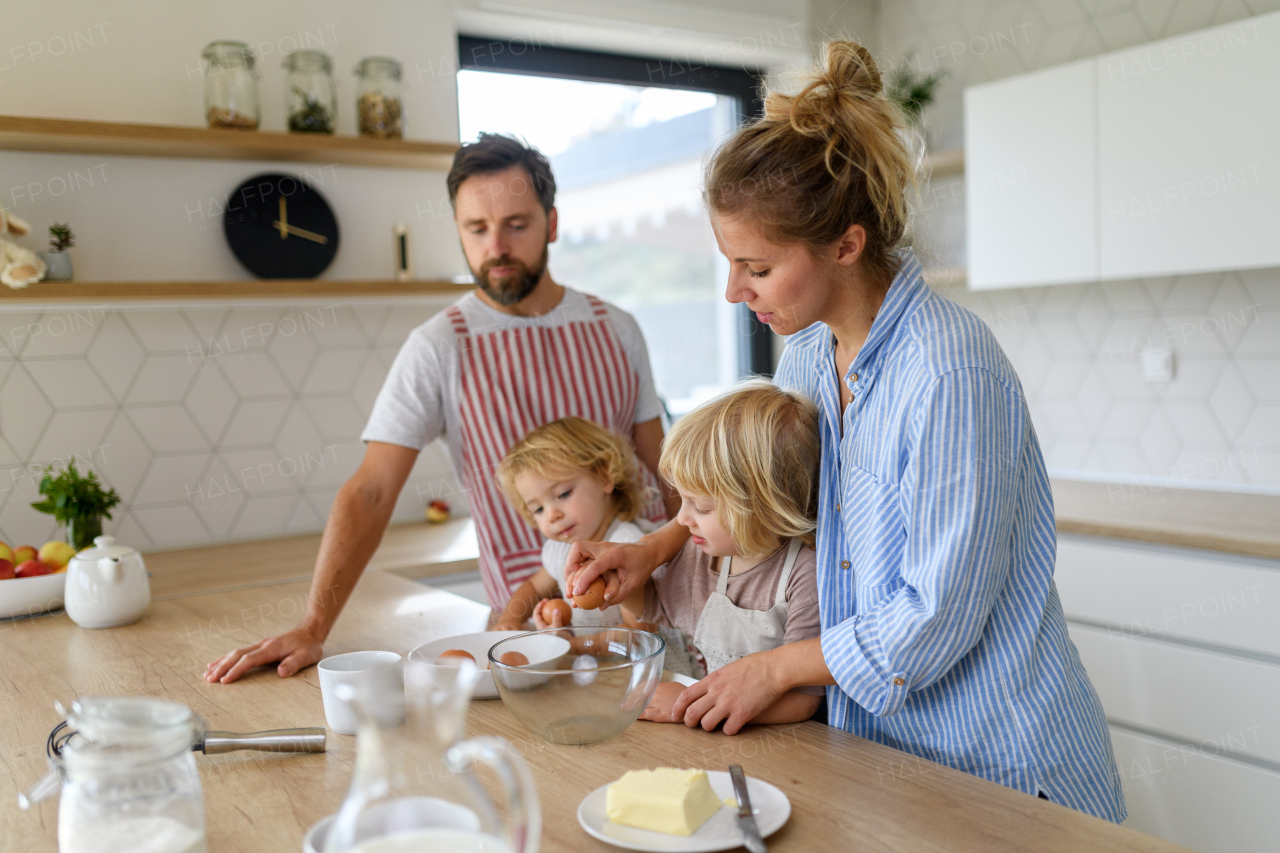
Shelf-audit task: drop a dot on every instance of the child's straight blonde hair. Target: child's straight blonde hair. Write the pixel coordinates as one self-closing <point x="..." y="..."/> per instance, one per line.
<point x="569" y="445"/>
<point x="756" y="452"/>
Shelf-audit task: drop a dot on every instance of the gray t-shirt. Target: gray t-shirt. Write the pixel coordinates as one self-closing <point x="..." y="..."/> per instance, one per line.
<point x="419" y="402"/>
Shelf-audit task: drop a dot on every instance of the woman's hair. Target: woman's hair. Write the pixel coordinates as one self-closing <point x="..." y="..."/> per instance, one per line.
<point x="818" y="162"/>
<point x="570" y="445"/>
<point x="756" y="452"/>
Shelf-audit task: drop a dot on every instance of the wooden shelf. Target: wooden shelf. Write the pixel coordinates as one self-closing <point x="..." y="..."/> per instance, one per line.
<point x="943" y="163"/>
<point x="272" y="288"/>
<point x="64" y="136"/>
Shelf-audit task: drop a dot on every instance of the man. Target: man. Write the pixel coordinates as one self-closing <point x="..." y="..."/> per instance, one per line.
<point x="517" y="352"/>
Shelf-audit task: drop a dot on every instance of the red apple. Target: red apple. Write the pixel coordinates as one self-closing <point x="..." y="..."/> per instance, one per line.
<point x="31" y="568"/>
<point x="6" y="570"/>
<point x="6" y="553"/>
<point x="437" y="512"/>
<point x="26" y="552"/>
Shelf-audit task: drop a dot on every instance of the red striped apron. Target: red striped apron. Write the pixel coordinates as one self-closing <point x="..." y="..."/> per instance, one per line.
<point x="514" y="381"/>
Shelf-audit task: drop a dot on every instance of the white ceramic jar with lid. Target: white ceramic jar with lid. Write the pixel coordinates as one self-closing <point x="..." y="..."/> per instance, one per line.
<point x="107" y="585"/>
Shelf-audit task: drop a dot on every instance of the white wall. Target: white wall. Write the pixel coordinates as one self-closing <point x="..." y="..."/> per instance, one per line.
<point x="1077" y="348"/>
<point x="151" y="219"/>
<point x="215" y="422"/>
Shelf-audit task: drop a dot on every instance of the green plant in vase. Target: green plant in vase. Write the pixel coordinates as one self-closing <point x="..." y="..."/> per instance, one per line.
<point x="77" y="502"/>
<point x="913" y="92"/>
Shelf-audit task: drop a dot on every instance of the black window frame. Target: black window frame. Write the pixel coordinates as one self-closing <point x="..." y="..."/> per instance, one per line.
<point x="518" y="56"/>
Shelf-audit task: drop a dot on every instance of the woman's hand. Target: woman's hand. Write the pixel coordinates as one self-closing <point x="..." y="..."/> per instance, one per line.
<point x="734" y="695"/>
<point x="622" y="565"/>
<point x="664" y="699"/>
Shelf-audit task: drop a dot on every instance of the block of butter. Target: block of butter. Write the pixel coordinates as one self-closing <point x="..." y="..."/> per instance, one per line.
<point x="668" y="800"/>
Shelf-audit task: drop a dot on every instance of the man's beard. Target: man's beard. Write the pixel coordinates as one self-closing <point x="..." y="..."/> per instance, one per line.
<point x="517" y="287"/>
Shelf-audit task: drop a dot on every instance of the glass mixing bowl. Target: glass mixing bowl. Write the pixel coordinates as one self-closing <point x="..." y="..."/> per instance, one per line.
<point x="588" y="694"/>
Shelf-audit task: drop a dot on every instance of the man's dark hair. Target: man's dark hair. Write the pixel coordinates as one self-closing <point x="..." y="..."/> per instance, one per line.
<point x="496" y="152"/>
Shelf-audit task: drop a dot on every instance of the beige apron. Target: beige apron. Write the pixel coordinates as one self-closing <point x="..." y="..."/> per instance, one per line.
<point x="727" y="632"/>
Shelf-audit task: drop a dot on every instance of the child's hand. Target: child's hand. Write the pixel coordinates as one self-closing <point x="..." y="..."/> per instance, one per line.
<point x="509" y="623"/>
<point x="539" y="620"/>
<point x="664" y="699"/>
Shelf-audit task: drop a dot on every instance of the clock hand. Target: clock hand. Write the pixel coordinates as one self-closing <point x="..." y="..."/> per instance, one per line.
<point x="284" y="222"/>
<point x="300" y="232"/>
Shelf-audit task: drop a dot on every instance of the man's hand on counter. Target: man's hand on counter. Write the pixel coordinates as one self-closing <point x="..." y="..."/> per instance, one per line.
<point x="295" y="650"/>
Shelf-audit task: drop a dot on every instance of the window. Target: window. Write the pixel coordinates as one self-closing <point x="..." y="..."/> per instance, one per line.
<point x="628" y="164"/>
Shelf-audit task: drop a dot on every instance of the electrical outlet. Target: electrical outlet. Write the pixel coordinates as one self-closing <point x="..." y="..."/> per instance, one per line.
<point x="1157" y="365"/>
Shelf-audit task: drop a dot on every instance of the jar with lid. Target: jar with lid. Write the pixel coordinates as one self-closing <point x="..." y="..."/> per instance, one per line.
<point x="311" y="100"/>
<point x="129" y="778"/>
<point x="378" y="103"/>
<point x="231" y="86"/>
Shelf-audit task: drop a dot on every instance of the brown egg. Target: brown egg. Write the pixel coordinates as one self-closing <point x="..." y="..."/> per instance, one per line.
<point x="557" y="605"/>
<point x="593" y="597"/>
<point x="651" y="627"/>
<point x="454" y="657"/>
<point x="514" y="659"/>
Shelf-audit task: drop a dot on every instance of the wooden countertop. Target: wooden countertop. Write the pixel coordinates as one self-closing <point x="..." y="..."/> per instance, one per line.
<point x="417" y="550"/>
<point x="846" y="793"/>
<point x="1219" y="521"/>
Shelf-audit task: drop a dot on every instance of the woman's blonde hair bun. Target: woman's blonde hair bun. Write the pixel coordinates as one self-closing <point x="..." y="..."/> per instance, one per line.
<point x="850" y="74"/>
<point x="832" y="155"/>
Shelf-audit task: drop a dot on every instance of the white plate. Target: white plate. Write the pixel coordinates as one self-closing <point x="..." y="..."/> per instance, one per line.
<point x="720" y="832"/>
<point x="540" y="647"/>
<point x="29" y="596"/>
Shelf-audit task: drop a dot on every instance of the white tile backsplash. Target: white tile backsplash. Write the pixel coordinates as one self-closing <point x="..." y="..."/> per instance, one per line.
<point x="214" y="423"/>
<point x="1077" y="347"/>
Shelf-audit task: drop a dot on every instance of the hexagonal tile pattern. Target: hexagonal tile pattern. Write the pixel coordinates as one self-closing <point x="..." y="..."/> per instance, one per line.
<point x="1079" y="353"/>
<point x="116" y="355"/>
<point x="25" y="412"/>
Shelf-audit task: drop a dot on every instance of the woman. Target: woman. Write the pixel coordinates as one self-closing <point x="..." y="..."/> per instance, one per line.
<point x="942" y="632"/>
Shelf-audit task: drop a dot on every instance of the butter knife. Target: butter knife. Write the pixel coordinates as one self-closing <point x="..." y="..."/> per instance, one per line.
<point x="746" y="820"/>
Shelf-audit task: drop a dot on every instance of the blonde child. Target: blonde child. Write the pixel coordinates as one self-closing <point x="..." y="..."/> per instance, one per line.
<point x="746" y="468"/>
<point x="574" y="481"/>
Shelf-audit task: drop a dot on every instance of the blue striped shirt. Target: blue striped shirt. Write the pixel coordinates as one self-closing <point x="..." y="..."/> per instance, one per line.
<point x="936" y="541"/>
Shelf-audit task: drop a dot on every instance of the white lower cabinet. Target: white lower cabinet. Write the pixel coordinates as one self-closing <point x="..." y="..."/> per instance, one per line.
<point x="1195" y="799"/>
<point x="1181" y="646"/>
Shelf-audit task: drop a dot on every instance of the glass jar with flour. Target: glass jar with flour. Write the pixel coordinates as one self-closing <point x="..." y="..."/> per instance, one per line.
<point x="130" y="781"/>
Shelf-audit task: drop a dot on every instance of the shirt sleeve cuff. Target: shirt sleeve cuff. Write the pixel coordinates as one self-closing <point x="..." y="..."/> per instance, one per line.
<point x="855" y="673"/>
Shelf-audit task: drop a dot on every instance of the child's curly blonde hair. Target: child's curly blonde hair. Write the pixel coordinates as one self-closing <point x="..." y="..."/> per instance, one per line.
<point x="575" y="444"/>
<point x="756" y="451"/>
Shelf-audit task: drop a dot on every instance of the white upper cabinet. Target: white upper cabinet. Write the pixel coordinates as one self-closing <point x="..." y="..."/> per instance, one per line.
<point x="1031" y="179"/>
<point x="1189" y="152"/>
<point x="1158" y="160"/>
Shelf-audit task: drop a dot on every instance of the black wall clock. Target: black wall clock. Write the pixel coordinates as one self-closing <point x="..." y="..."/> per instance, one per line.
<point x="279" y="226"/>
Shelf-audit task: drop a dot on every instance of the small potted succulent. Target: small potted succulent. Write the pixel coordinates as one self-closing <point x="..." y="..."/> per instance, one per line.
<point x="77" y="502"/>
<point x="57" y="259"/>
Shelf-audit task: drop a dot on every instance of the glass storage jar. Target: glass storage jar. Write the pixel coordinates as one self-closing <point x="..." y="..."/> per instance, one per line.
<point x="378" y="103"/>
<point x="311" y="100"/>
<point x="129" y="778"/>
<point x="231" y="86"/>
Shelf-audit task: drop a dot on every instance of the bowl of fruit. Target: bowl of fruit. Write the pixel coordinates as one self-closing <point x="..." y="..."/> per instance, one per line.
<point x="33" y="581"/>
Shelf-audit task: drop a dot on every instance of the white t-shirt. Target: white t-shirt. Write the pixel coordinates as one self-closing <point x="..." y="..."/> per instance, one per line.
<point x="419" y="402"/>
<point x="555" y="556"/>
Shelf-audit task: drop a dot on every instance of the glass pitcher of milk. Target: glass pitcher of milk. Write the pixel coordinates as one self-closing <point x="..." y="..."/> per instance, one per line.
<point x="130" y="783"/>
<point x="413" y="788"/>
